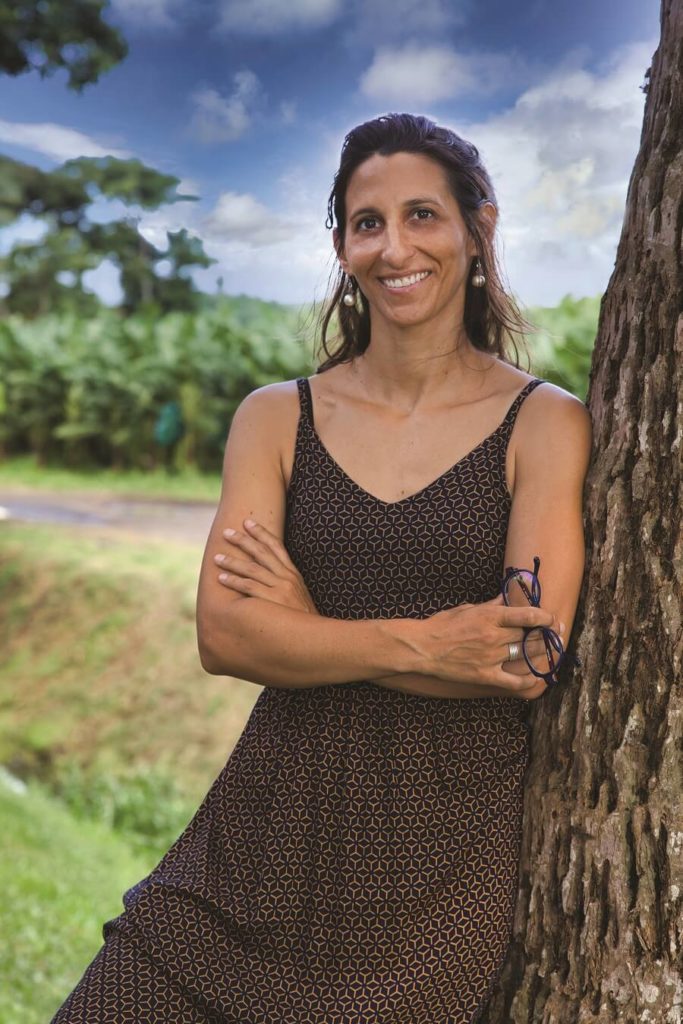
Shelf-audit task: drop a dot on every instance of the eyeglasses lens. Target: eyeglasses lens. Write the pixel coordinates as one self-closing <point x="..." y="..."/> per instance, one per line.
<point x="522" y="588"/>
<point x="534" y="643"/>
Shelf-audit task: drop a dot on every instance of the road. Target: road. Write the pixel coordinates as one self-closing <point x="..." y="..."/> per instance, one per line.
<point x="175" y="520"/>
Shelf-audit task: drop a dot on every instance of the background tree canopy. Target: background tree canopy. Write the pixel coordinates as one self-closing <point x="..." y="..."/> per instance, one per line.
<point x="44" y="35"/>
<point x="47" y="275"/>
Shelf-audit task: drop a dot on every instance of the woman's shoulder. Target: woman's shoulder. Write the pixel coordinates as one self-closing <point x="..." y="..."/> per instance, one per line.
<point x="553" y="426"/>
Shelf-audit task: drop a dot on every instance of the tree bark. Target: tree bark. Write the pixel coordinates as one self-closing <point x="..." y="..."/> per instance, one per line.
<point x="599" y="920"/>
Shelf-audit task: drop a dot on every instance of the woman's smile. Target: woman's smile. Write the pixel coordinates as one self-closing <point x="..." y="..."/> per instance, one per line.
<point x="406" y="282"/>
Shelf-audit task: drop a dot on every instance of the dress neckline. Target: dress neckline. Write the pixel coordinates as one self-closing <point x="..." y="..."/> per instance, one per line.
<point x="308" y="416"/>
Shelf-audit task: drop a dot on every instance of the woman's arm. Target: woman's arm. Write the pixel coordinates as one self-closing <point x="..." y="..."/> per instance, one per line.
<point x="552" y="456"/>
<point x="254" y="639"/>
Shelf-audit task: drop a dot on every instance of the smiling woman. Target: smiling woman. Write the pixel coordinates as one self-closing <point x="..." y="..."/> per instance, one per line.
<point x="355" y="861"/>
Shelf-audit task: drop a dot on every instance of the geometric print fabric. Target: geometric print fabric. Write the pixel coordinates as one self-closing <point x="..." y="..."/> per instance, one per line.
<point x="356" y="859"/>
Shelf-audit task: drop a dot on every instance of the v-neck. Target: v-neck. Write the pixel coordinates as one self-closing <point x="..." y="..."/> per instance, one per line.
<point x="309" y="419"/>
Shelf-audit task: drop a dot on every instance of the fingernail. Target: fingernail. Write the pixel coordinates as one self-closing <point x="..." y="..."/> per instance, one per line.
<point x="562" y="627"/>
<point x="228" y="533"/>
<point x="219" y="558"/>
<point x="249" y="522"/>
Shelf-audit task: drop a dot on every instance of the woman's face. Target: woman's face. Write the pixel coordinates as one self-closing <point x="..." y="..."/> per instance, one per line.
<point x="406" y="242"/>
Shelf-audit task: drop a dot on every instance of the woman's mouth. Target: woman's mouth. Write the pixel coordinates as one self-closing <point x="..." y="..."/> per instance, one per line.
<point x="408" y="281"/>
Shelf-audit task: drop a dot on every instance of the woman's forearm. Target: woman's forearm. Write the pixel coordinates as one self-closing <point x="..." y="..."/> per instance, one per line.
<point x="267" y="643"/>
<point x="431" y="686"/>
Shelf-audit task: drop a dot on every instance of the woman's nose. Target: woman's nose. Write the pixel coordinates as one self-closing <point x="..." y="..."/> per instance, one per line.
<point x="396" y="247"/>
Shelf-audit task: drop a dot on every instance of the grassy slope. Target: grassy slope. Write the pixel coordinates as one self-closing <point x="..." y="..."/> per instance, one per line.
<point x="60" y="880"/>
<point x="98" y="659"/>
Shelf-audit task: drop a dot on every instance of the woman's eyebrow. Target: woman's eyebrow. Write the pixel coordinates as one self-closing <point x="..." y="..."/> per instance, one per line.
<point x="422" y="200"/>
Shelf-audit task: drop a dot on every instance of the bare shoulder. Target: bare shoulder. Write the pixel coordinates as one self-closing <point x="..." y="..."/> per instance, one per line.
<point x="273" y="412"/>
<point x="553" y="427"/>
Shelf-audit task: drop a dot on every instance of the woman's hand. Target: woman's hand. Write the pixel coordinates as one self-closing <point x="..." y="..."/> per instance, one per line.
<point x="468" y="644"/>
<point x="259" y="566"/>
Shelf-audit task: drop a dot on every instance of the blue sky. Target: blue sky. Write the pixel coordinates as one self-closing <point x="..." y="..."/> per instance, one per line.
<point x="248" y="101"/>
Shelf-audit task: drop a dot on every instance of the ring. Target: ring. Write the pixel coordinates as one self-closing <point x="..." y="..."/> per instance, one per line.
<point x="514" y="651"/>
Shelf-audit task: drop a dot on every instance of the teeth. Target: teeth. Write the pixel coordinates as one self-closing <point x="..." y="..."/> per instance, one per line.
<point x="403" y="282"/>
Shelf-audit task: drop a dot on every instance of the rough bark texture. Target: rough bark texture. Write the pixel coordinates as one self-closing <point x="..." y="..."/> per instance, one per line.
<point x="599" y="921"/>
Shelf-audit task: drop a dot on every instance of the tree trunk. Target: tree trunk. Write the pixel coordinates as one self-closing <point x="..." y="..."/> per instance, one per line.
<point x="599" y="921"/>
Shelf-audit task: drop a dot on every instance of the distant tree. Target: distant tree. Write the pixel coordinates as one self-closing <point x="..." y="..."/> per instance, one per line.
<point x="47" y="274"/>
<point x="45" y="35"/>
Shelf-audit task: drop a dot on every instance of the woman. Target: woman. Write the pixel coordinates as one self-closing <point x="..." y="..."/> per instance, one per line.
<point x="355" y="862"/>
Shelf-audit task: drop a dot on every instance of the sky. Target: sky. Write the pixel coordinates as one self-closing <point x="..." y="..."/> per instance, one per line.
<point x="247" y="103"/>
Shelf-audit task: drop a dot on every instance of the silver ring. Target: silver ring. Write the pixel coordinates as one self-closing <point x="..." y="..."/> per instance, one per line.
<point x="514" y="650"/>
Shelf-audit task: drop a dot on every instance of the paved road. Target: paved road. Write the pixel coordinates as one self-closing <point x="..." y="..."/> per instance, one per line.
<point x="186" y="521"/>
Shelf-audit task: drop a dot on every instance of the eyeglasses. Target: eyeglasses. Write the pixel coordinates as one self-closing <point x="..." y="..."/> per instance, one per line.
<point x="520" y="586"/>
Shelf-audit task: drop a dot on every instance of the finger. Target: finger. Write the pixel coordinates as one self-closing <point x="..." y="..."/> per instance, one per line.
<point x="259" y="551"/>
<point x="526" y="617"/>
<point x="533" y="644"/>
<point x="518" y="682"/>
<point x="268" y="538"/>
<point x="251" y="588"/>
<point x="248" y="570"/>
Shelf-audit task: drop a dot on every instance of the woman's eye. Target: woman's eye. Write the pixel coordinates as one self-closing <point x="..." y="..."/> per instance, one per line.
<point x="423" y="214"/>
<point x="366" y="224"/>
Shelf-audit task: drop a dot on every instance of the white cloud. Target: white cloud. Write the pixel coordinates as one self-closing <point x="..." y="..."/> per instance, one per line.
<point x="151" y="13"/>
<point x="56" y="141"/>
<point x="560" y="160"/>
<point x="240" y="217"/>
<point x="390" y="20"/>
<point x="415" y="74"/>
<point x="271" y="17"/>
<point x="225" y="118"/>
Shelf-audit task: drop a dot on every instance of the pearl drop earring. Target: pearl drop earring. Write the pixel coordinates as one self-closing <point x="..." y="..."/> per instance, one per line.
<point x="478" y="280"/>
<point x="350" y="296"/>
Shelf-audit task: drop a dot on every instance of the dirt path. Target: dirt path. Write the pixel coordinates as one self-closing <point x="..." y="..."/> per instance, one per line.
<point x="175" y="520"/>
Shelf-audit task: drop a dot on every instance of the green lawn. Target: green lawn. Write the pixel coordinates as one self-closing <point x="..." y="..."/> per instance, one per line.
<point x="186" y="486"/>
<point x="60" y="879"/>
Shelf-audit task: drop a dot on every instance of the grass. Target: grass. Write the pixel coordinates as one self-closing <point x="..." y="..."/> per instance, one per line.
<point x="25" y="473"/>
<point x="98" y="659"/>
<point x="61" y="879"/>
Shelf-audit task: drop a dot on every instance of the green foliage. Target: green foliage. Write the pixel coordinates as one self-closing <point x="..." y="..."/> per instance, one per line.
<point x="46" y="275"/>
<point x="144" y="806"/>
<point x="90" y="392"/>
<point x="44" y="35"/>
<point x="563" y="348"/>
<point x="53" y="907"/>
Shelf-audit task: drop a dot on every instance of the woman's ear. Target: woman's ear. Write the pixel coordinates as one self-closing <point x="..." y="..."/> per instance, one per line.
<point x="339" y="249"/>
<point x="489" y="212"/>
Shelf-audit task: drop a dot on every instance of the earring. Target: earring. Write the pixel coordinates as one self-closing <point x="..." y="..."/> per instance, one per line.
<point x="350" y="296"/>
<point x="478" y="280"/>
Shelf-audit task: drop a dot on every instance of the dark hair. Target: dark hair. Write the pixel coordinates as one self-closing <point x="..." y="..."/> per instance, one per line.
<point x="491" y="317"/>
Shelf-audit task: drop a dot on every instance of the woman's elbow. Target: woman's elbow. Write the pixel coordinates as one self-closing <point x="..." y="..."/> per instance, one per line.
<point x="211" y="644"/>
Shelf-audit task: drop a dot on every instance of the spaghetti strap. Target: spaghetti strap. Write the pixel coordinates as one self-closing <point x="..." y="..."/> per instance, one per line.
<point x="511" y="415"/>
<point x="305" y="398"/>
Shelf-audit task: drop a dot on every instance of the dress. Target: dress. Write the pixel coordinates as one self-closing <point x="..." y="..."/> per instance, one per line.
<point x="356" y="859"/>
